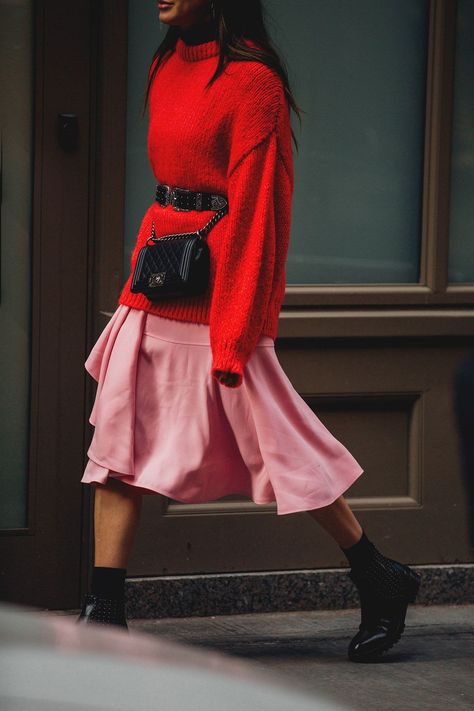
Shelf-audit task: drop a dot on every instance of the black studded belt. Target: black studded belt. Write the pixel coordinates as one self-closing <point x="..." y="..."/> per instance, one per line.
<point x="184" y="199"/>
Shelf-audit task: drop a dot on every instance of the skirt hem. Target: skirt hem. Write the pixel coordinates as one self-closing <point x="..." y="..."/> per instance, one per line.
<point x="102" y="477"/>
<point x="96" y="479"/>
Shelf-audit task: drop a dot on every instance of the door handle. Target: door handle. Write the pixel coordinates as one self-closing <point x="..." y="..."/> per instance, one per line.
<point x="68" y="131"/>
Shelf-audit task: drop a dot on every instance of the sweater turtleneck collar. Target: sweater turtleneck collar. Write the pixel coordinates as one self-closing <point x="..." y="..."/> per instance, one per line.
<point x="198" y="41"/>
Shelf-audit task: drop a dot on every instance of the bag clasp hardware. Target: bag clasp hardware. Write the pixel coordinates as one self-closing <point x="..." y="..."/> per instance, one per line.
<point x="157" y="279"/>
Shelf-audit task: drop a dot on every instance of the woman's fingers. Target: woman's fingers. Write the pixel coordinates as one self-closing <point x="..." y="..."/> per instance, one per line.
<point x="227" y="378"/>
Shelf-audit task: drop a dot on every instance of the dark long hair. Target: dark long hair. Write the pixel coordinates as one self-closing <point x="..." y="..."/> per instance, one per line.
<point x="236" y="21"/>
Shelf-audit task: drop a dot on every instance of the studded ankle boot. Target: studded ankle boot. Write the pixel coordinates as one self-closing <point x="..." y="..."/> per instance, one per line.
<point x="385" y="588"/>
<point x="103" y="611"/>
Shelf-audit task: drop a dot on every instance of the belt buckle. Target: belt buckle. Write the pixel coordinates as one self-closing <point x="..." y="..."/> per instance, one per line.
<point x="174" y="196"/>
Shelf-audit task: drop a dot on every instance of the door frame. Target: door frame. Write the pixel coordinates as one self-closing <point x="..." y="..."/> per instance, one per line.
<point x="312" y="317"/>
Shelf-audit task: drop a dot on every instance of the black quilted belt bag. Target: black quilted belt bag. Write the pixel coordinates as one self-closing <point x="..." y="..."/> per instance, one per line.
<point x="177" y="264"/>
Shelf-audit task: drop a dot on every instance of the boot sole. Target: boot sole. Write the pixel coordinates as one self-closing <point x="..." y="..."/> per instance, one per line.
<point x="394" y="637"/>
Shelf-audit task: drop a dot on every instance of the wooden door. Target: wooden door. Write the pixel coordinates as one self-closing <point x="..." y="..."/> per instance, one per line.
<point x="46" y="209"/>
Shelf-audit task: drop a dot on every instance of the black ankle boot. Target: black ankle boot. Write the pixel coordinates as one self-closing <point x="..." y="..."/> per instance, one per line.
<point x="103" y="611"/>
<point x="385" y="588"/>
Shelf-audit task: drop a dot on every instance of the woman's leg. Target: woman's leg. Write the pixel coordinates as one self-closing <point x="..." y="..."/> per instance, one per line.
<point x="385" y="586"/>
<point x="339" y="521"/>
<point x="116" y="514"/>
<point x="117" y="509"/>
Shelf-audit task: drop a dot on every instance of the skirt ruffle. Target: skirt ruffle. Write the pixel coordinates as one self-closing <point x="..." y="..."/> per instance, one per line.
<point x="164" y="424"/>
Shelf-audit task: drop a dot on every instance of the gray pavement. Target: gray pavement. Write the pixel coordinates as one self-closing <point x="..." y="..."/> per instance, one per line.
<point x="431" y="667"/>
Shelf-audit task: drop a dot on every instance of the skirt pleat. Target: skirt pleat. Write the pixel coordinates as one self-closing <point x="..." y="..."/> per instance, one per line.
<point x="164" y="424"/>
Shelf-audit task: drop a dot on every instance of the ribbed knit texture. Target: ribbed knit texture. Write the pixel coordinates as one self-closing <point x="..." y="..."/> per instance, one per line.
<point x="235" y="139"/>
<point x="360" y="553"/>
<point x="108" y="582"/>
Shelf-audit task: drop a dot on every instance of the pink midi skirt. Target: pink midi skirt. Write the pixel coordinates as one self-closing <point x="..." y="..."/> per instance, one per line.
<point x="164" y="424"/>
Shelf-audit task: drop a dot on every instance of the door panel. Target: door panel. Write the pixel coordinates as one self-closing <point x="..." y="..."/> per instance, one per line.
<point x="41" y="560"/>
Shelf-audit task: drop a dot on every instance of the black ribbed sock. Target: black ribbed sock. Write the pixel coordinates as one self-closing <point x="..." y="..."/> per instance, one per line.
<point x="361" y="554"/>
<point x="108" y="582"/>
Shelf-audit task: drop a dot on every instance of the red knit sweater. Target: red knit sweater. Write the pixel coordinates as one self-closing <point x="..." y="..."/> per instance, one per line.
<point x="233" y="139"/>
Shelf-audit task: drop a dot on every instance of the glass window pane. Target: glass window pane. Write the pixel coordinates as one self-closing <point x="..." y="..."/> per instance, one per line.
<point x="359" y="71"/>
<point x="16" y="168"/>
<point x="461" y="228"/>
<point x="145" y="33"/>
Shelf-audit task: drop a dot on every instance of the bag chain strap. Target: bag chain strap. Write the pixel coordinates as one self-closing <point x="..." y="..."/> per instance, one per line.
<point x="201" y="233"/>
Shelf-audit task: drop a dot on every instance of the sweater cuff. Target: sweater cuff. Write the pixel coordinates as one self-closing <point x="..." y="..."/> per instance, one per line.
<point x="227" y="360"/>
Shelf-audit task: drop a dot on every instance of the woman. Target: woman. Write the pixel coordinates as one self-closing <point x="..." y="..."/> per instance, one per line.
<point x="192" y="402"/>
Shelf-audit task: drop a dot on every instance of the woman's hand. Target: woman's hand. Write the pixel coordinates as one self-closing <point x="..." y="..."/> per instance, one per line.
<point x="227" y="378"/>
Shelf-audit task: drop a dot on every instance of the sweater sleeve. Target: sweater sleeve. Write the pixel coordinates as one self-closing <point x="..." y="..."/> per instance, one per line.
<point x="260" y="163"/>
<point x="244" y="279"/>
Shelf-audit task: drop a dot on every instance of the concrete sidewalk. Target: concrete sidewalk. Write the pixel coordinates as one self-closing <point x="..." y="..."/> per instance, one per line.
<point x="431" y="667"/>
